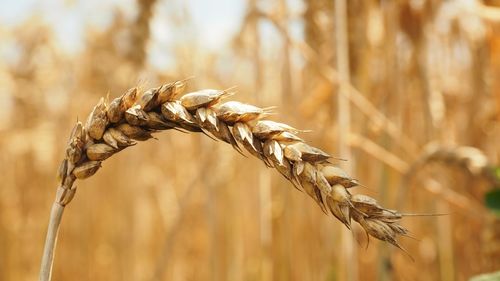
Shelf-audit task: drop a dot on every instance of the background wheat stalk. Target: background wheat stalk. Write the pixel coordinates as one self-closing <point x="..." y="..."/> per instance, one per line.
<point x="135" y="116"/>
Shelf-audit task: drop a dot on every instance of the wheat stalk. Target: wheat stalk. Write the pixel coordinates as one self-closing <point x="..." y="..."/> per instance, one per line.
<point x="133" y="117"/>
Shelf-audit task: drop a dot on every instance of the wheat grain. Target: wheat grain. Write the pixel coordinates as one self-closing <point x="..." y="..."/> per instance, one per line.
<point x="130" y="118"/>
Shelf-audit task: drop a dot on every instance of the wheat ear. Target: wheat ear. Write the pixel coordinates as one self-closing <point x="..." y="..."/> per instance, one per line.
<point x="133" y="117"/>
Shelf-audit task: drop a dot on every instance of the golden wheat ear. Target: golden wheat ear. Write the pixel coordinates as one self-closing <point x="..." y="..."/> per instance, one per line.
<point x="135" y="116"/>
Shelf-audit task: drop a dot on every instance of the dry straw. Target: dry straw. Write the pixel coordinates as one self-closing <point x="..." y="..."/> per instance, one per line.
<point x="133" y="117"/>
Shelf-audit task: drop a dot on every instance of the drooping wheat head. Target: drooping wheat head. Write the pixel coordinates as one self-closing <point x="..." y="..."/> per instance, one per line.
<point x="135" y="117"/>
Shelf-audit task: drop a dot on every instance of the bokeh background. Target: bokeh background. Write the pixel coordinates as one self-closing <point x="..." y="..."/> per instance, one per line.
<point x="407" y="91"/>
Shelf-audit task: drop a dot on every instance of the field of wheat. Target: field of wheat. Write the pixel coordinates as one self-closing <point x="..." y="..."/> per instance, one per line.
<point x="250" y="140"/>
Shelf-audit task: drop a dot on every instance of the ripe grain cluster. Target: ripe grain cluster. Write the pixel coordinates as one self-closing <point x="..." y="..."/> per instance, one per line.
<point x="136" y="117"/>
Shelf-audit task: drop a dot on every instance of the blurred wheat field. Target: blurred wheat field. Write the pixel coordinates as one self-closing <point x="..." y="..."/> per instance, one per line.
<point x="410" y="96"/>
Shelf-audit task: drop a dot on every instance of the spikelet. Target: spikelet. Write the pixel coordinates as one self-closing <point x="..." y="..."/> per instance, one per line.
<point x="336" y="175"/>
<point x="202" y="98"/>
<point x="233" y="111"/>
<point x="97" y="120"/>
<point x="136" y="116"/>
<point x="86" y="169"/>
<point x="119" y="105"/>
<point x="100" y="151"/>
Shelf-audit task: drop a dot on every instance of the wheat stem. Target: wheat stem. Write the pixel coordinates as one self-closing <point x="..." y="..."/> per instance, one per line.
<point x="51" y="241"/>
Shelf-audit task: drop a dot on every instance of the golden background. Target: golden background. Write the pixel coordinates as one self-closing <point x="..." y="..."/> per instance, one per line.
<point x="410" y="96"/>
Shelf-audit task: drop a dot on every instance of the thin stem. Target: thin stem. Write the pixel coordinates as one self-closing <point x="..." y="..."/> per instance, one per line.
<point x="51" y="240"/>
<point x="349" y="269"/>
